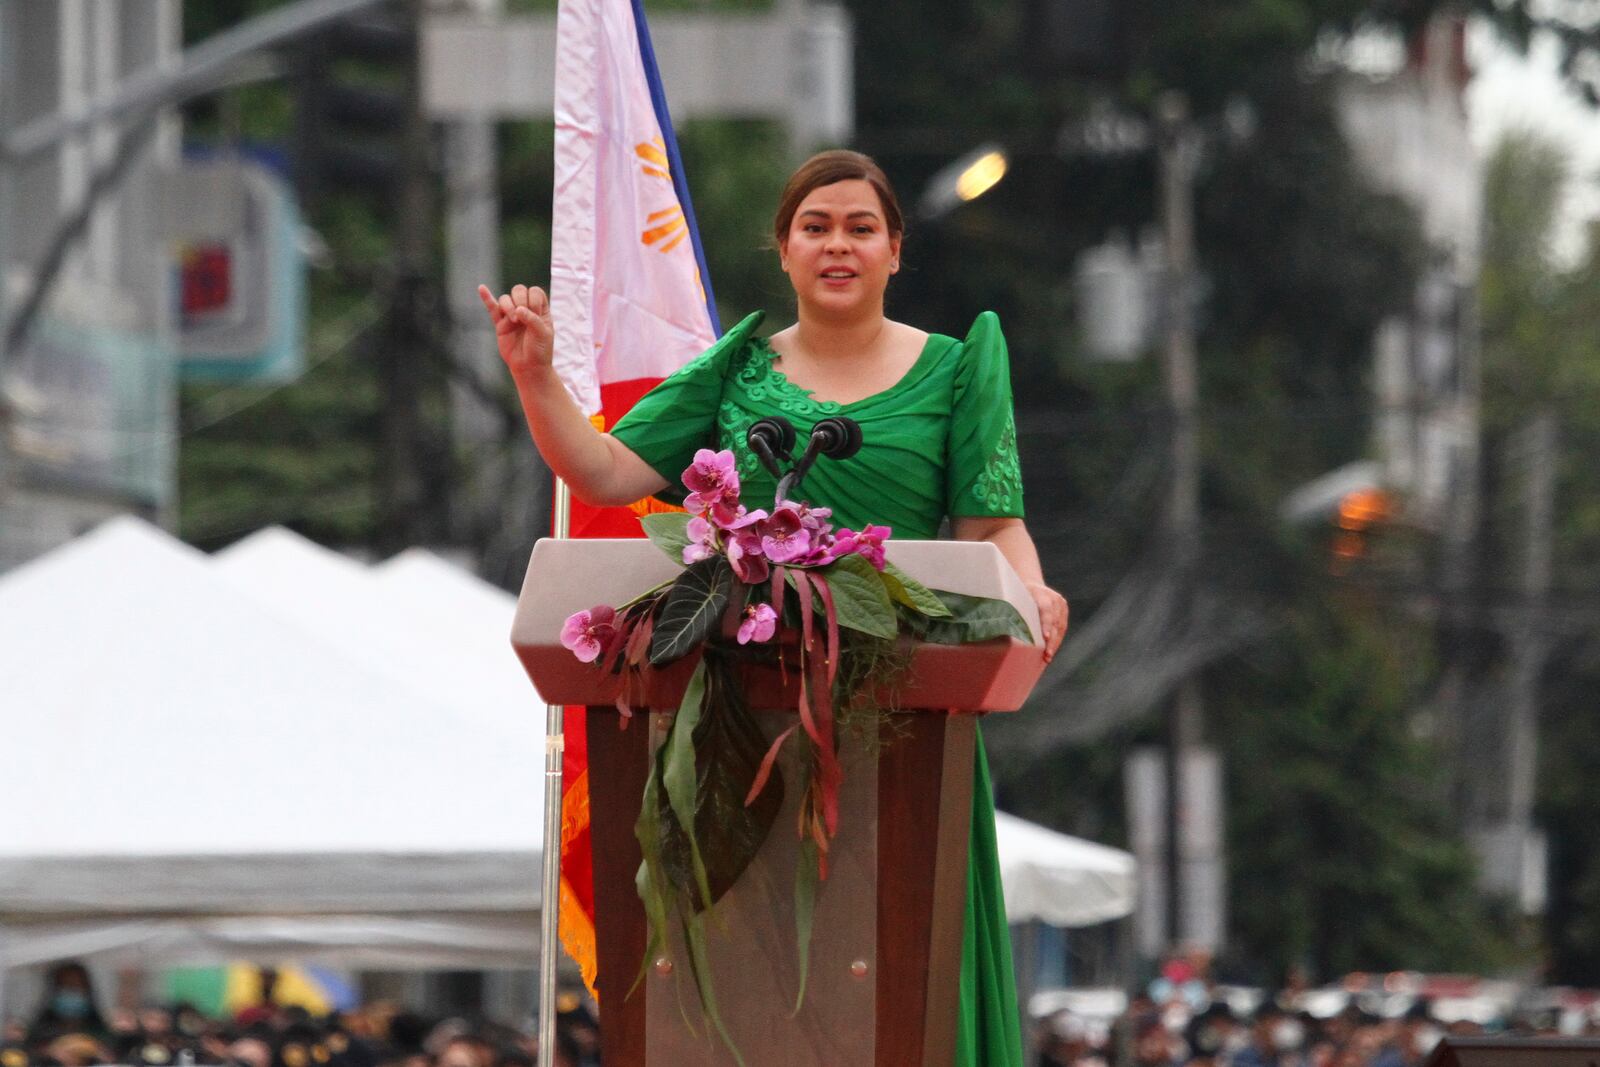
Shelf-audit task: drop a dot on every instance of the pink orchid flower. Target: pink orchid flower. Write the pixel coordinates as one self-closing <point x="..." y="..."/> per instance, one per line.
<point x="587" y="634"/>
<point x="783" y="537"/>
<point x="711" y="479"/>
<point x="702" y="541"/>
<point x="760" y="623"/>
<point x="730" y="520"/>
<point x="868" y="542"/>
<point x="747" y="557"/>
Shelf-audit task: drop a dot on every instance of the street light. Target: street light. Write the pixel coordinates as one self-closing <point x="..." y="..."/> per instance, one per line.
<point x="963" y="180"/>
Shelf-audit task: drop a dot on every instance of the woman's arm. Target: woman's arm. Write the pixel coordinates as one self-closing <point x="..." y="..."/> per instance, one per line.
<point x="1011" y="537"/>
<point x="601" y="470"/>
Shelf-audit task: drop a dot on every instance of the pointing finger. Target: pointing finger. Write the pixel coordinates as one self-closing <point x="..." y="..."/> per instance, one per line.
<point x="489" y="302"/>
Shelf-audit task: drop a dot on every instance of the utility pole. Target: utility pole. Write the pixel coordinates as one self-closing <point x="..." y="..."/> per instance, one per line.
<point x="406" y="356"/>
<point x="472" y="257"/>
<point x="1530" y="644"/>
<point x="1177" y="147"/>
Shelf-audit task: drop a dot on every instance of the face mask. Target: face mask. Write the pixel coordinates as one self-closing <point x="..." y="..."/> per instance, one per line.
<point x="70" y="1004"/>
<point x="1287" y="1035"/>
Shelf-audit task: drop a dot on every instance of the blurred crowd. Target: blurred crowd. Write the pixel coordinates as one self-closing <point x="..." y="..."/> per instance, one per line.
<point x="1184" y="1019"/>
<point x="1272" y="1036"/>
<point x="70" y="1030"/>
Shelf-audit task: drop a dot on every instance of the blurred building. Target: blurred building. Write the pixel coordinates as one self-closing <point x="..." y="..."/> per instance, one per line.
<point x="1409" y="130"/>
<point x="87" y="399"/>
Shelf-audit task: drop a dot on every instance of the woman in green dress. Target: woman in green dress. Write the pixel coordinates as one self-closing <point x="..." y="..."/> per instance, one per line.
<point x="939" y="443"/>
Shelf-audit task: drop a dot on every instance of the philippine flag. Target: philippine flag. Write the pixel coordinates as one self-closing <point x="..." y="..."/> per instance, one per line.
<point x="631" y="299"/>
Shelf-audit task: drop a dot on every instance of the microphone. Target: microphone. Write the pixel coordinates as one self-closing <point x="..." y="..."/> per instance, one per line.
<point x="770" y="438"/>
<point x="836" y="437"/>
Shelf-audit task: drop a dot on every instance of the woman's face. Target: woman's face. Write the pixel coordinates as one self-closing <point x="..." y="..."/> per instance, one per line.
<point x="839" y="253"/>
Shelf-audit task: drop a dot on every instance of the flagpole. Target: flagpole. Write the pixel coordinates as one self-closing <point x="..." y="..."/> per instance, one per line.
<point x="550" y="899"/>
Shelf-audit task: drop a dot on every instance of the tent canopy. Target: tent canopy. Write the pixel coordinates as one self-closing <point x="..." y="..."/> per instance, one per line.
<point x="278" y="752"/>
<point x="191" y="755"/>
<point x="1060" y="880"/>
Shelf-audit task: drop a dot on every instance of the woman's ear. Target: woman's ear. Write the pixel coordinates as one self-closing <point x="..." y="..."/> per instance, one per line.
<point x="783" y="255"/>
<point x="894" y="254"/>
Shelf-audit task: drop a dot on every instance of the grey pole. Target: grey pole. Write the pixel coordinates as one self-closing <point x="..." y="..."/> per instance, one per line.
<point x="201" y="69"/>
<point x="1176" y="151"/>
<point x="550" y="897"/>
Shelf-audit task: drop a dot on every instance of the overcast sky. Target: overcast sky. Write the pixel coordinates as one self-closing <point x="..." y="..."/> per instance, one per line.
<point x="1509" y="91"/>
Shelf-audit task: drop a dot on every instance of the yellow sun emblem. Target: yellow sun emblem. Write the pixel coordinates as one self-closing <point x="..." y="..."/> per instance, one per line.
<point x="667" y="228"/>
<point x="653" y="153"/>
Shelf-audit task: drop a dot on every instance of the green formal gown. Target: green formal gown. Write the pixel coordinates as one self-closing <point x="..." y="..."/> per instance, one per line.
<point x="940" y="442"/>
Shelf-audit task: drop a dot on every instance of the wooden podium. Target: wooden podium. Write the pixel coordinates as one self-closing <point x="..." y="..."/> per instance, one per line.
<point x="885" y="954"/>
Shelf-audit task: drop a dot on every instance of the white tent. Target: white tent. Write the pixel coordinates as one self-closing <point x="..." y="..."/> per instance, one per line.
<point x="278" y="752"/>
<point x="1048" y="877"/>
<point x="196" y="777"/>
<point x="1060" y="880"/>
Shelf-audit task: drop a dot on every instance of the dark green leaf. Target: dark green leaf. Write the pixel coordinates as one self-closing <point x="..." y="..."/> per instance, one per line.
<point x="729" y="748"/>
<point x="912" y="593"/>
<point x="668" y="531"/>
<point x="859" y="597"/>
<point x="974" y="618"/>
<point x="693" y="609"/>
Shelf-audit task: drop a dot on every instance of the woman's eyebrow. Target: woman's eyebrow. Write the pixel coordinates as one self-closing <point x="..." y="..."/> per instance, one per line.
<point x="852" y="215"/>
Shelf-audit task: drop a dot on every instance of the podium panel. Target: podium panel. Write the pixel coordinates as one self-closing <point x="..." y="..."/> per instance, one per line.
<point x="884" y="982"/>
<point x="1515" y="1052"/>
<point x="752" y="948"/>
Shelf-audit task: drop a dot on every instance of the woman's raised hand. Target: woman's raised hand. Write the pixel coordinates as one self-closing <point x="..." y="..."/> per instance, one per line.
<point x="522" y="327"/>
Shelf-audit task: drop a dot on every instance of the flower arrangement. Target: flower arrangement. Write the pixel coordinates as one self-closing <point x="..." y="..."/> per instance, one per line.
<point x="784" y="587"/>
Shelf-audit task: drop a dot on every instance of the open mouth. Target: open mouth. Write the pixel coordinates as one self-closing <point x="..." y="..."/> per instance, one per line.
<point x="838" y="275"/>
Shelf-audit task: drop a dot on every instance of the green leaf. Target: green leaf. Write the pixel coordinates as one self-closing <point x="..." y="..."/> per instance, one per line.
<point x="679" y="780"/>
<point x="652" y="881"/>
<point x="805" y="904"/>
<point x="912" y="593"/>
<point x="859" y="597"/>
<point x="694" y="936"/>
<point x="668" y="531"/>
<point x="694" y="607"/>
<point x="974" y="618"/>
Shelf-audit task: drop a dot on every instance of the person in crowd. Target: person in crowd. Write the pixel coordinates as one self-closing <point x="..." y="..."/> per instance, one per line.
<point x="1208" y="1035"/>
<point x="1276" y="1039"/>
<point x="1064" y="1042"/>
<point x="1413" y="1038"/>
<point x="68" y="1006"/>
<point x="465" y="1049"/>
<point x="1153" y="1044"/>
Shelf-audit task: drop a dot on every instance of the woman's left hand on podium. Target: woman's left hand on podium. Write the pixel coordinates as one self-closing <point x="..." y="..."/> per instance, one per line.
<point x="1053" y="613"/>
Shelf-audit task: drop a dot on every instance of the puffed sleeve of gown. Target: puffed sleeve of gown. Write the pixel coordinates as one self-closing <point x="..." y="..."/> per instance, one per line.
<point x="982" y="474"/>
<point x="679" y="416"/>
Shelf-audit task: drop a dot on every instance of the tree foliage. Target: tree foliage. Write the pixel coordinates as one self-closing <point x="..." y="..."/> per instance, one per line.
<point x="1541" y="354"/>
<point x="1342" y="857"/>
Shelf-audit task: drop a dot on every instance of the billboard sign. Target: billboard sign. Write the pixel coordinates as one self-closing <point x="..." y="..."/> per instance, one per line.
<point x="240" y="307"/>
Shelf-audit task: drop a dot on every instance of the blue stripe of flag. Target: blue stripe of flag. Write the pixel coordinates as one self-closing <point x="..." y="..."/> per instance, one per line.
<point x="658" y="97"/>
